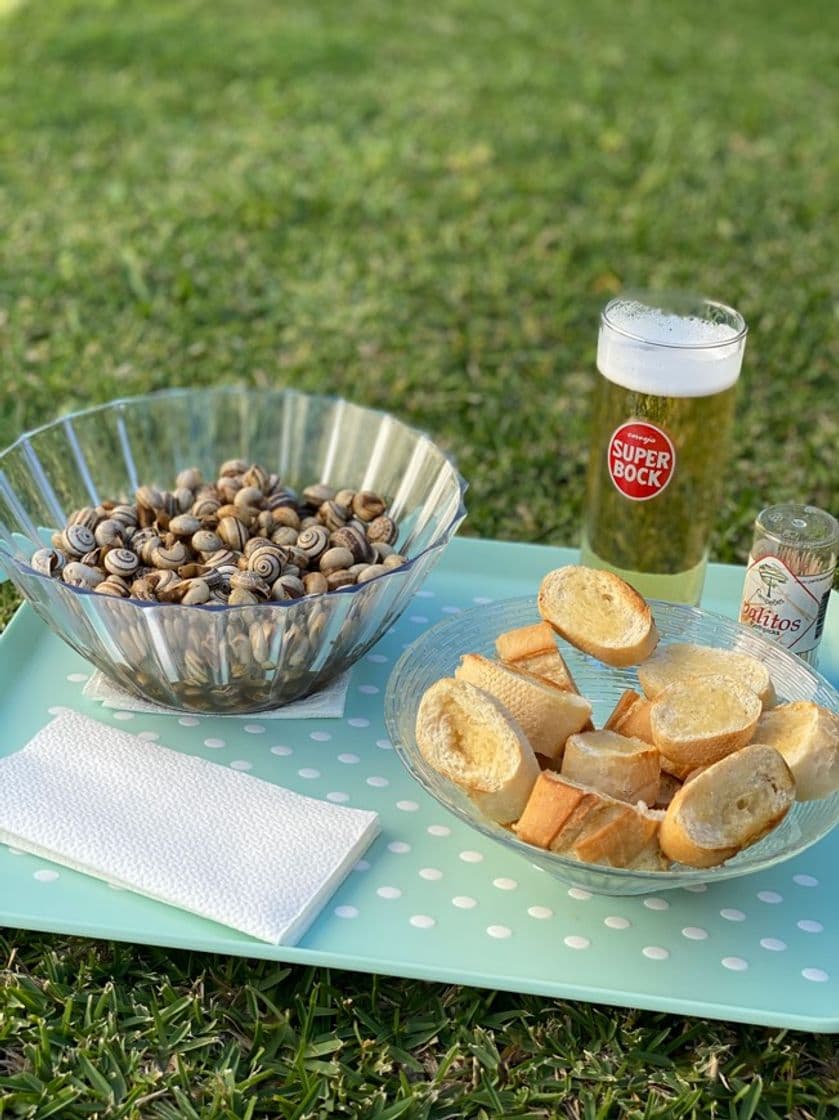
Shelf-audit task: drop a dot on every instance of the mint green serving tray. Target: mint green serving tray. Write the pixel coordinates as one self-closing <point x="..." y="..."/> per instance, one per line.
<point x="433" y="899"/>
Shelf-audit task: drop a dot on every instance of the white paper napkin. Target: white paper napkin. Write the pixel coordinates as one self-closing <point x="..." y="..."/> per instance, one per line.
<point x="182" y="830"/>
<point x="327" y="703"/>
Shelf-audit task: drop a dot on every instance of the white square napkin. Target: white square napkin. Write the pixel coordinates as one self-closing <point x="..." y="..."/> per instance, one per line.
<point x="182" y="830"/>
<point x="327" y="703"/>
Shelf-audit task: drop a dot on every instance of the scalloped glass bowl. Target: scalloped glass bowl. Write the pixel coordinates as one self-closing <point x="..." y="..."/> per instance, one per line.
<point x="221" y="658"/>
<point x="436" y="653"/>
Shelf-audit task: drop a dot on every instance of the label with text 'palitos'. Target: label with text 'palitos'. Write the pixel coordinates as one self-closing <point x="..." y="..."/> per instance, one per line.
<point x="641" y="459"/>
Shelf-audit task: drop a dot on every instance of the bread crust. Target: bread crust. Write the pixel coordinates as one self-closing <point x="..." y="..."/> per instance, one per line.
<point x="698" y="720"/>
<point x="678" y="660"/>
<point x="631" y="717"/>
<point x="807" y="735"/>
<point x="599" y="613"/>
<point x="627" y="769"/>
<point x="727" y="807"/>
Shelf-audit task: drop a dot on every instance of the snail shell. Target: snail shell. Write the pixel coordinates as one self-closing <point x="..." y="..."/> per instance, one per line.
<point x="144" y="542"/>
<point x="317" y="494"/>
<point x="382" y="550"/>
<point x="340" y="577"/>
<point x="124" y="513"/>
<point x="87" y="516"/>
<point x="232" y="468"/>
<point x="228" y="488"/>
<point x="144" y="589"/>
<point x="205" y="541"/>
<point x="184" y="498"/>
<point x="184" y="525"/>
<point x="285" y="515"/>
<point x="353" y="539"/>
<point x="232" y="532"/>
<point x="292" y="587"/>
<point x="77" y="539"/>
<point x="267" y="563"/>
<point x="113" y="586"/>
<point x="248" y="497"/>
<point x="313" y="542"/>
<point x="382" y="529"/>
<point x="240" y="597"/>
<point x="250" y="581"/>
<point x="254" y="543"/>
<point x="195" y="592"/>
<point x="285" y="535"/>
<point x="93" y="559"/>
<point x="315" y="583"/>
<point x="345" y="498"/>
<point x="110" y="533"/>
<point x="81" y="575"/>
<point x="284" y="498"/>
<point x="370" y="572"/>
<point x="47" y="561"/>
<point x="394" y="560"/>
<point x="367" y="506"/>
<point x="190" y="478"/>
<point x="222" y="558"/>
<point x="171" y="557"/>
<point x="206" y="509"/>
<point x="257" y="477"/>
<point x="148" y="497"/>
<point x="335" y="559"/>
<point x="333" y="515"/>
<point x="121" y="562"/>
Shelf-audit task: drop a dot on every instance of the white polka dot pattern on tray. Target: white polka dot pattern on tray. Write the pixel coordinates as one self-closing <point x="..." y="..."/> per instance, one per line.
<point x="46" y="875"/>
<point x="655" y="952"/>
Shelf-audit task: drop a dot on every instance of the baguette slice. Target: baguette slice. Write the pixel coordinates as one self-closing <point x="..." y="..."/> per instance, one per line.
<point x="467" y="736"/>
<point x="631" y="717"/>
<point x="808" y="737"/>
<point x="627" y="769"/>
<point x="532" y="649"/>
<point x="727" y="807"/>
<point x="684" y="659"/>
<point x="573" y="820"/>
<point x="599" y="613"/>
<point x="699" y="720"/>
<point x="546" y="714"/>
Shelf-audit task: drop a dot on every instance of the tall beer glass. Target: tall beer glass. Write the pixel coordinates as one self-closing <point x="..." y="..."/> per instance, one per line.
<point x="661" y="424"/>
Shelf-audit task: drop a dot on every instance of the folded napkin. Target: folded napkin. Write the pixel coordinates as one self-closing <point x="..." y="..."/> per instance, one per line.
<point x="327" y="703"/>
<point x="182" y="830"/>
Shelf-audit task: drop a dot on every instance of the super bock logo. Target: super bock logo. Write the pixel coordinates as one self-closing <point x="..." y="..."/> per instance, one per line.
<point x="641" y="460"/>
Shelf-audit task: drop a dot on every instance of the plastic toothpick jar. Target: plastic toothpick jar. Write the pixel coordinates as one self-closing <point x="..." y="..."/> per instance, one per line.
<point x="789" y="576"/>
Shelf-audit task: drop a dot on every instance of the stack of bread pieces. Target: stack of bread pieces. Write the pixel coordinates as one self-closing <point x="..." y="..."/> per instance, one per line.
<point x="698" y="765"/>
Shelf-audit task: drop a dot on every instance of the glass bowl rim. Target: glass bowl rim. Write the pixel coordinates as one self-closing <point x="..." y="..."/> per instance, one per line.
<point x="119" y="403"/>
<point x="675" y="878"/>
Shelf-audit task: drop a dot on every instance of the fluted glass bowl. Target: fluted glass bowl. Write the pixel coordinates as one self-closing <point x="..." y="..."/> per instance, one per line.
<point x="220" y="658"/>
<point x="436" y="654"/>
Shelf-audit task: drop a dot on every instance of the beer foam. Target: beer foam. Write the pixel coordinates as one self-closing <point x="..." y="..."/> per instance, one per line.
<point x="665" y="354"/>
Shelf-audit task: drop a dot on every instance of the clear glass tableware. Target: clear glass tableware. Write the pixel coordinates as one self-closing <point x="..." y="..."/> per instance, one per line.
<point x="436" y="654"/>
<point x="220" y="658"/>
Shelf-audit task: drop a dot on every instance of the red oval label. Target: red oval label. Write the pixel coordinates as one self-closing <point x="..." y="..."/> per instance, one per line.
<point x="641" y="460"/>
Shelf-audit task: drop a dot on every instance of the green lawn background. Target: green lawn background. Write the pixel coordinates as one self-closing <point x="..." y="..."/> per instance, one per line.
<point x="422" y="208"/>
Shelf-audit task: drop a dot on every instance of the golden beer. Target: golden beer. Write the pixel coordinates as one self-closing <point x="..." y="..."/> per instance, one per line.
<point x="662" y="416"/>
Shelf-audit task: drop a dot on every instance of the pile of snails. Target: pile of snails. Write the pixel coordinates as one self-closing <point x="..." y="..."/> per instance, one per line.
<point x="245" y="538"/>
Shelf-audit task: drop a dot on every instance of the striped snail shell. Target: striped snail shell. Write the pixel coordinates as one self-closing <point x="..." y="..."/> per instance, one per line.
<point x="382" y="529"/>
<point x="257" y="477"/>
<point x="267" y="563"/>
<point x="77" y="539"/>
<point x="313" y="541"/>
<point x="81" y="575"/>
<point x="340" y="577"/>
<point x="124" y="513"/>
<point x="333" y="515"/>
<point x="228" y="487"/>
<point x="221" y="558"/>
<point x="370" y="572"/>
<point x="87" y="516"/>
<point x="114" y="586"/>
<point x="316" y="495"/>
<point x="171" y="557"/>
<point x="162" y="579"/>
<point x="250" y="581"/>
<point x="47" y="561"/>
<point x="148" y="497"/>
<point x="240" y="597"/>
<point x="206" y="508"/>
<point x="287" y="587"/>
<point x="353" y="539"/>
<point x="295" y="557"/>
<point x="254" y="543"/>
<point x="143" y="588"/>
<point x="285" y="515"/>
<point x="335" y="559"/>
<point x="249" y="496"/>
<point x="367" y="506"/>
<point x="232" y="532"/>
<point x="314" y="583"/>
<point x="283" y="498"/>
<point x="196" y="592"/>
<point x="184" y="498"/>
<point x="345" y="498"/>
<point x="189" y="479"/>
<point x="144" y="543"/>
<point x="110" y="533"/>
<point x="121" y="562"/>
<point x="93" y="559"/>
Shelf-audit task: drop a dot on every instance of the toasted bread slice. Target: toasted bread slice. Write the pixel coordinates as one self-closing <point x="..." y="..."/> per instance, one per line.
<point x="546" y="713"/>
<point x="627" y="769"/>
<point x="466" y="735"/>
<point x="807" y="735"/>
<point x="631" y="717"/>
<point x="570" y="819"/>
<point x="699" y="720"/>
<point x="599" y="613"/>
<point x="532" y="649"/>
<point x="684" y="659"/>
<point x="727" y="807"/>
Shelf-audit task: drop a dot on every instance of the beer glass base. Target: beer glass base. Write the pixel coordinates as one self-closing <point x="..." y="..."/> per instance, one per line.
<point x="672" y="587"/>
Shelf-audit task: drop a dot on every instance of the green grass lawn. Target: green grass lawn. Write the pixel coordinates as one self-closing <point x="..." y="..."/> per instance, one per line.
<point x="423" y="208"/>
